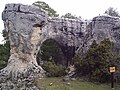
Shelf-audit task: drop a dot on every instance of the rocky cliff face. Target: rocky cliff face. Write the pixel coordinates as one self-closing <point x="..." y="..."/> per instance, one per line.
<point x="25" y="25"/>
<point x="99" y="28"/>
<point x="69" y="33"/>
<point x="77" y="35"/>
<point x="29" y="27"/>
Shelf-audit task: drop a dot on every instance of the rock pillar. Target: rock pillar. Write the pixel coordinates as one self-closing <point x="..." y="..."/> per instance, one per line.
<point x="25" y="26"/>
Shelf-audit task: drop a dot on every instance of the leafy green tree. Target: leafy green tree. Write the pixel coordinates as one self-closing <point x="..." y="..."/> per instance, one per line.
<point x="4" y="51"/>
<point x="112" y="12"/>
<point x="46" y="7"/>
<point x="97" y="61"/>
<point x="95" y="65"/>
<point x="69" y="15"/>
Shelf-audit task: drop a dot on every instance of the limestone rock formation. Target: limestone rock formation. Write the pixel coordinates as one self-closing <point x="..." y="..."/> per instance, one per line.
<point x="25" y="25"/>
<point x="69" y="33"/>
<point x="99" y="28"/>
<point x="29" y="27"/>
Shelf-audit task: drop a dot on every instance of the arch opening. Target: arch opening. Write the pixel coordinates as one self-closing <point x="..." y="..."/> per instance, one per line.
<point x="50" y="50"/>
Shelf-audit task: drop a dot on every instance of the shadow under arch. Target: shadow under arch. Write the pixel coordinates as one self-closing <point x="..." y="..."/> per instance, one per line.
<point x="61" y="53"/>
<point x="50" y="50"/>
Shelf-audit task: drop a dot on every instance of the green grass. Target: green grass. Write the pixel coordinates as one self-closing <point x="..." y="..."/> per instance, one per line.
<point x="58" y="84"/>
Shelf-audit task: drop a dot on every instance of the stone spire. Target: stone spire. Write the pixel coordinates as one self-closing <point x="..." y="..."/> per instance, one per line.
<point x="24" y="25"/>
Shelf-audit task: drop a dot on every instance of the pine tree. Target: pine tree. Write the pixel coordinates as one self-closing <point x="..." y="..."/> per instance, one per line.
<point x="112" y="12"/>
<point x="95" y="65"/>
<point x="51" y="12"/>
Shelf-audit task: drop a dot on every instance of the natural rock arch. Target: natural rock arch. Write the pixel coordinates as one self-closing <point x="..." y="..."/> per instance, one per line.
<point x="29" y="27"/>
<point x="54" y="52"/>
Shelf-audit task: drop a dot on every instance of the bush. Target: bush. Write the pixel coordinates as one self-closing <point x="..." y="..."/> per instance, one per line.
<point x="4" y="50"/>
<point x="95" y="65"/>
<point x="4" y="54"/>
<point x="54" y="70"/>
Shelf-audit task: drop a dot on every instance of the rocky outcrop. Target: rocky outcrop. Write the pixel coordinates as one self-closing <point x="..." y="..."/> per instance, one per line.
<point x="28" y="27"/>
<point x="69" y="33"/>
<point x="25" y="26"/>
<point x="99" y="28"/>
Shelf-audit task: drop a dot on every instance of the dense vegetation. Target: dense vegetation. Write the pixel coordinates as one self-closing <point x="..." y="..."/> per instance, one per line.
<point x="112" y="12"/>
<point x="95" y="65"/>
<point x="4" y="50"/>
<point x="51" y="58"/>
<point x="70" y="16"/>
<point x="53" y="70"/>
<point x="51" y="12"/>
<point x="51" y="51"/>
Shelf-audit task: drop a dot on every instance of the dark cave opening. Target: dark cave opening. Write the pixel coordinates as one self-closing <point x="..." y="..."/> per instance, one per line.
<point x="51" y="50"/>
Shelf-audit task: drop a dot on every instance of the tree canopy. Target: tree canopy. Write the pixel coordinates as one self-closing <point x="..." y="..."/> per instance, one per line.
<point x="112" y="12"/>
<point x="70" y="16"/>
<point x="51" y="12"/>
<point x="95" y="65"/>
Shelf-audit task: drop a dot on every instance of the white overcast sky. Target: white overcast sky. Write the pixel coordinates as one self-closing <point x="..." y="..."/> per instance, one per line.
<point x="87" y="9"/>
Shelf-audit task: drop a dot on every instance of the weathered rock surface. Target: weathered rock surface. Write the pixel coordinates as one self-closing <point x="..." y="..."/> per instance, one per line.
<point x="29" y="27"/>
<point x="25" y="25"/>
<point x="99" y="28"/>
<point x="69" y="33"/>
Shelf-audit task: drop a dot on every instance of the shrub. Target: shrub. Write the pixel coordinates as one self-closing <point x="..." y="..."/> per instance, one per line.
<point x="54" y="70"/>
<point x="95" y="65"/>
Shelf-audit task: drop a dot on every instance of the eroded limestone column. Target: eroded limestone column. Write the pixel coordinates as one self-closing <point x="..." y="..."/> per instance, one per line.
<point x="25" y="26"/>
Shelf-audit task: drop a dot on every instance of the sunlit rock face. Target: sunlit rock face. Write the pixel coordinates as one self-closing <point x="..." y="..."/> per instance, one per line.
<point x="28" y="27"/>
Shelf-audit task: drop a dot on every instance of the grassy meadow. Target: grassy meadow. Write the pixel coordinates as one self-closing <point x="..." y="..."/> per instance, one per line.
<point x="58" y="84"/>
